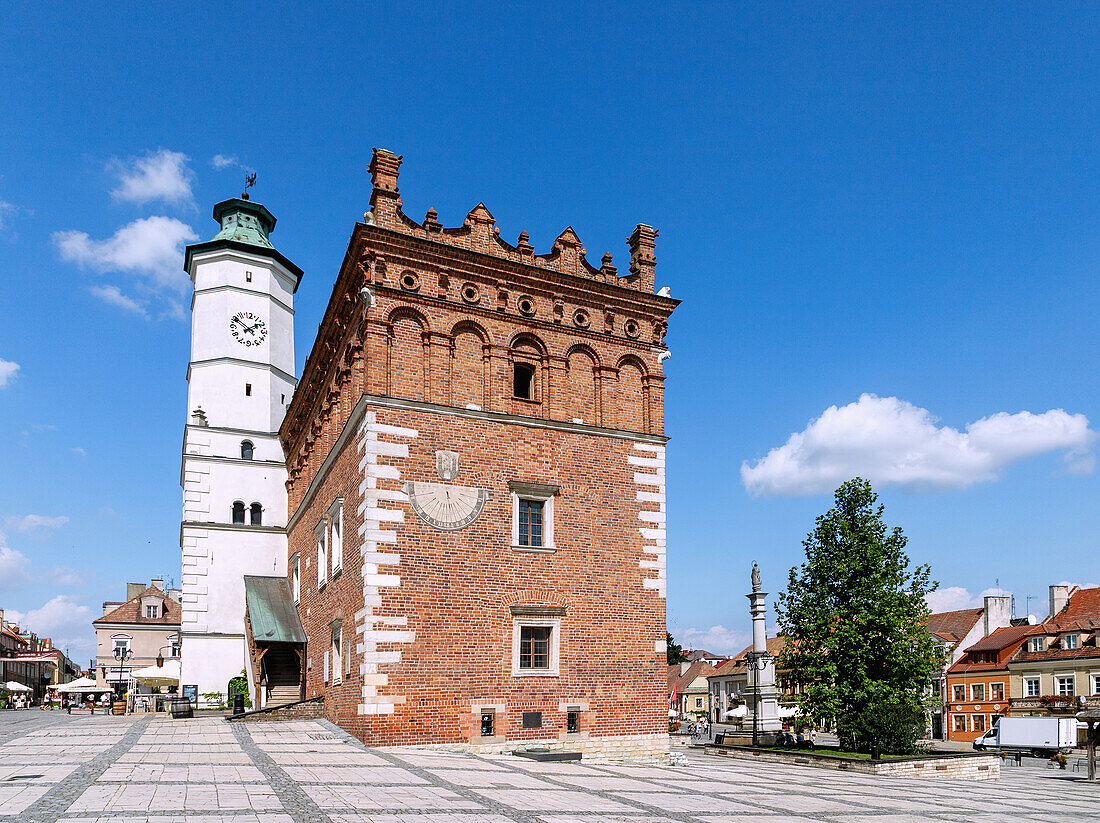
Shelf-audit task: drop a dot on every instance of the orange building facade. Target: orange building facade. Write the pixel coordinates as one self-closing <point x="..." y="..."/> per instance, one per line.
<point x="978" y="684"/>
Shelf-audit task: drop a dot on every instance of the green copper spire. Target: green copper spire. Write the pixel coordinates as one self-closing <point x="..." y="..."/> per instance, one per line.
<point x="244" y="222"/>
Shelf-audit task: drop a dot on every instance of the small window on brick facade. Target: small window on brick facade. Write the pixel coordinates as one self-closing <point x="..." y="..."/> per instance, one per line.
<point x="337" y="652"/>
<point x="322" y="555"/>
<point x="532" y="515"/>
<point x="296" y="578"/>
<point x="523" y="381"/>
<point x="488" y="724"/>
<point x="572" y="721"/>
<point x="336" y="534"/>
<point x="238" y="513"/>
<point x="534" y="647"/>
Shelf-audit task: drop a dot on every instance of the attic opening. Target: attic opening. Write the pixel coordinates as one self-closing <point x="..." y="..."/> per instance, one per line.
<point x="523" y="381"/>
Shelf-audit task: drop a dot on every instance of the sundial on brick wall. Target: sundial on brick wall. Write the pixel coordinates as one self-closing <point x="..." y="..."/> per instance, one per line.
<point x="444" y="506"/>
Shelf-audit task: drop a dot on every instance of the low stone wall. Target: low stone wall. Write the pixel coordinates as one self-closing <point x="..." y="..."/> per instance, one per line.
<point x="636" y="748"/>
<point x="962" y="766"/>
<point x="312" y="709"/>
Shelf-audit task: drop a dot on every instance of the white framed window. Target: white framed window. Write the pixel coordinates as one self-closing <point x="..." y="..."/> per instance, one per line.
<point x="996" y="691"/>
<point x="698" y="702"/>
<point x="532" y="516"/>
<point x="1063" y="685"/>
<point x="152" y="611"/>
<point x="322" y="555"/>
<point x="1069" y="641"/>
<point x="1095" y="679"/>
<point x="1031" y="687"/>
<point x="296" y="578"/>
<point x="977" y="692"/>
<point x="337" y="652"/>
<point x="326" y="665"/>
<point x="336" y="534"/>
<point x="959" y="722"/>
<point x="120" y="641"/>
<point x="535" y="646"/>
<point x="977" y="722"/>
<point x="958" y="693"/>
<point x="1036" y="644"/>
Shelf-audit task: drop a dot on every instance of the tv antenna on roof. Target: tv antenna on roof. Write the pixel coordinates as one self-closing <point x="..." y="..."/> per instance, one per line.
<point x="249" y="182"/>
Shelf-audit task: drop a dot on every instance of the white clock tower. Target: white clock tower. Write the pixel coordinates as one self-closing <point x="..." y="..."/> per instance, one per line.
<point x="240" y="380"/>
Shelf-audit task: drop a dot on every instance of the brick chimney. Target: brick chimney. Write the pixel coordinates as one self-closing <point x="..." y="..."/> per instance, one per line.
<point x="385" y="200"/>
<point x="997" y="613"/>
<point x="1059" y="597"/>
<point x="643" y="259"/>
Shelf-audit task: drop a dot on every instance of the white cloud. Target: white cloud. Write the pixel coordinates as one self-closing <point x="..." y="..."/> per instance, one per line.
<point x="155" y="176"/>
<point x="8" y="370"/>
<point x="6" y="210"/>
<point x="150" y="246"/>
<point x="228" y="161"/>
<point x="67" y="623"/>
<point x="955" y="598"/>
<point x="892" y="442"/>
<point x="717" y="639"/>
<point x="33" y="522"/>
<point x="13" y="567"/>
<point x="83" y="452"/>
<point x="113" y="295"/>
<point x="66" y="576"/>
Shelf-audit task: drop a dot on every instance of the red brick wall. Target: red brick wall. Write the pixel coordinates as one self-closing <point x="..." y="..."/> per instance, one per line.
<point x="450" y="314"/>
<point x="456" y="588"/>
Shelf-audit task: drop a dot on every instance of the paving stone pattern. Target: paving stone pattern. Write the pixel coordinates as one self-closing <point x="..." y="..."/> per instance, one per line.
<point x="124" y="770"/>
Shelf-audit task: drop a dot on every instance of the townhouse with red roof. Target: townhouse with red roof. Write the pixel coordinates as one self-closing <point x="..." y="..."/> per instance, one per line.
<point x="978" y="683"/>
<point x="1057" y="671"/>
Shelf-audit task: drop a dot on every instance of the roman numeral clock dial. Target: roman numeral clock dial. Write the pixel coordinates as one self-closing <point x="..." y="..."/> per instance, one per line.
<point x="448" y="508"/>
<point x="247" y="328"/>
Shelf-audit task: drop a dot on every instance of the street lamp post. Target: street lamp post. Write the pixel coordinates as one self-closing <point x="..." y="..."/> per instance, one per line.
<point x="122" y="654"/>
<point x="756" y="663"/>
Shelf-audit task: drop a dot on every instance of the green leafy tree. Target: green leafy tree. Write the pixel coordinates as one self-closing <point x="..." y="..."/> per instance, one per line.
<point x="855" y="617"/>
<point x="675" y="651"/>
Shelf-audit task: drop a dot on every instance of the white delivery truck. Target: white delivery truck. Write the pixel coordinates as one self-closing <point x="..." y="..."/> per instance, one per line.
<point x="1042" y="736"/>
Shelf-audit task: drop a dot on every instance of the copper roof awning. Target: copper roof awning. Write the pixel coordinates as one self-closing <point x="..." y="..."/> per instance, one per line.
<point x="271" y="612"/>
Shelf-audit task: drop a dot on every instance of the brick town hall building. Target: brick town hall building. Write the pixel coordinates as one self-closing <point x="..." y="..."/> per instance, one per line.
<point x="470" y="544"/>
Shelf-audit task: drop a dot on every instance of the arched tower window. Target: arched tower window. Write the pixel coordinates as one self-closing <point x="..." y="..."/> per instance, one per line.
<point x="238" y="513"/>
<point x="246" y="449"/>
<point x="256" y="512"/>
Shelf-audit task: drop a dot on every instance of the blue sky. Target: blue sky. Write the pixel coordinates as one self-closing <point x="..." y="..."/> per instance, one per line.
<point x="894" y="201"/>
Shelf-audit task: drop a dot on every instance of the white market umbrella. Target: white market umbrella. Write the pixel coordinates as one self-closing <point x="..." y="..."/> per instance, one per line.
<point x="12" y="686"/>
<point x="166" y="675"/>
<point x="736" y="711"/>
<point x="78" y="685"/>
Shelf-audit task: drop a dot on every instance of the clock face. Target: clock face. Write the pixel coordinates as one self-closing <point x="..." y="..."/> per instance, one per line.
<point x="247" y="328"/>
<point x="448" y="508"/>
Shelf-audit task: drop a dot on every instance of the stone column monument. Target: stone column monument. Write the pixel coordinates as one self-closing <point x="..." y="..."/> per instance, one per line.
<point x="763" y="695"/>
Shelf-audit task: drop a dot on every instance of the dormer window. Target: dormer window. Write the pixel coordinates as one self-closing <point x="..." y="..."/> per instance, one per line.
<point x="1069" y="641"/>
<point x="1036" y="644"/>
<point x="152" y="611"/>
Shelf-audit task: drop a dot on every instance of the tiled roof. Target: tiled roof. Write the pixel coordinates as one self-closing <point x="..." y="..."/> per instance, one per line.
<point x="681" y="682"/>
<point x="1055" y="654"/>
<point x="737" y="664"/>
<point x="953" y="625"/>
<point x="1001" y="639"/>
<point x="1081" y="612"/>
<point x="130" y="611"/>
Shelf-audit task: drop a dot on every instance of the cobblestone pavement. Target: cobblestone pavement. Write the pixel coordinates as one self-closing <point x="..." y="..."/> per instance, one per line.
<point x="205" y="770"/>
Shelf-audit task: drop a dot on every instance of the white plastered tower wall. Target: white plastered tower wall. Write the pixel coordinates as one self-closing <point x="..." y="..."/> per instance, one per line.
<point x="240" y="379"/>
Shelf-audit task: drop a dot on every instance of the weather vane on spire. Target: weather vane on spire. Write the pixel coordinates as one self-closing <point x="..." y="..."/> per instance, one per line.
<point x="249" y="182"/>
